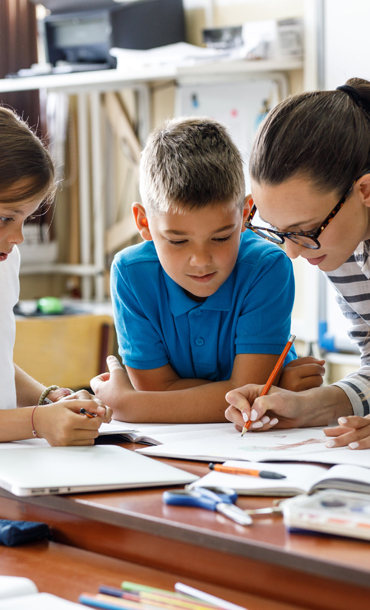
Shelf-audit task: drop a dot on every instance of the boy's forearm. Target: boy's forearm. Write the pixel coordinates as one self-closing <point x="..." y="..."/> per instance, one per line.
<point x="205" y="403"/>
<point x="185" y="384"/>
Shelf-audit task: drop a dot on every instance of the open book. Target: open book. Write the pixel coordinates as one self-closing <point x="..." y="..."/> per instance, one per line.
<point x="160" y="434"/>
<point x="18" y="593"/>
<point x="300" y="478"/>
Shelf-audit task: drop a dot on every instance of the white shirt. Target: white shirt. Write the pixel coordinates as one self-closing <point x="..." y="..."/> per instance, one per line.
<point x="9" y="291"/>
<point x="352" y="283"/>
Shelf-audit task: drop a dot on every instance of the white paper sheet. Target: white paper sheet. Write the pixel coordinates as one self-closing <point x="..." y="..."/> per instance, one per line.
<point x="297" y="445"/>
<point x="40" y="601"/>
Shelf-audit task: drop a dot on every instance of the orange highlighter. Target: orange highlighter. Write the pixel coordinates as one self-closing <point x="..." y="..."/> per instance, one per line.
<point x="272" y="377"/>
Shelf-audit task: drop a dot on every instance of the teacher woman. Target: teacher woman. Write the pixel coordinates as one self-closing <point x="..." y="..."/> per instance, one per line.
<point x="310" y="176"/>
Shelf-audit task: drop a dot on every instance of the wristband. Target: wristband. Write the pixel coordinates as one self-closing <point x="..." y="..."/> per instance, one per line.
<point x="43" y="400"/>
<point x="51" y="388"/>
<point x="34" y="433"/>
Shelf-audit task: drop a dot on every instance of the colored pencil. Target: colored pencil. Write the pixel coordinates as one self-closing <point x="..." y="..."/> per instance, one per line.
<point x="211" y="599"/>
<point x="109" y="602"/>
<point x="162" y="593"/>
<point x="161" y="600"/>
<point x="272" y="377"/>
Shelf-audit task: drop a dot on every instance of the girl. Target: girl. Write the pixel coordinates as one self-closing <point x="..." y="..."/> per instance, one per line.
<point x="310" y="172"/>
<point x="26" y="183"/>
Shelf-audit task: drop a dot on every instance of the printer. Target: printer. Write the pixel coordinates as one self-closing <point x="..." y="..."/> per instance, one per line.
<point x="81" y="33"/>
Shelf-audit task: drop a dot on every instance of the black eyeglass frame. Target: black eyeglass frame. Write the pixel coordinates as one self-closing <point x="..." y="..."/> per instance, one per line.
<point x="282" y="235"/>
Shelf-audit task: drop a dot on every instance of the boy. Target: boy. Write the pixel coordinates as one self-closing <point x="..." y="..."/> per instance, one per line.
<point x="201" y="306"/>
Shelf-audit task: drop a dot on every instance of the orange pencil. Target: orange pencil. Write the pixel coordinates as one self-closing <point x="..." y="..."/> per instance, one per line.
<point x="272" y="377"/>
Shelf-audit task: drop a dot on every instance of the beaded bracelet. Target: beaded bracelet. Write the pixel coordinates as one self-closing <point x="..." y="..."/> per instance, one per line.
<point x="32" y="424"/>
<point x="43" y="396"/>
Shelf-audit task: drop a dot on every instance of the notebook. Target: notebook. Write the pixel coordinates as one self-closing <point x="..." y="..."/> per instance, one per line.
<point x="36" y="471"/>
<point x="116" y="427"/>
<point x="18" y="593"/>
<point x="159" y="434"/>
<point x="40" y="601"/>
<point x="300" y="478"/>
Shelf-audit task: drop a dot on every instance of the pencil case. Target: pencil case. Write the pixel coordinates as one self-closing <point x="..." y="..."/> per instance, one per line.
<point x="13" y="533"/>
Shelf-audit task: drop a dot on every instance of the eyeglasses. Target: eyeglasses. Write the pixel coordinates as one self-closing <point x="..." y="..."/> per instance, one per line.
<point x="307" y="239"/>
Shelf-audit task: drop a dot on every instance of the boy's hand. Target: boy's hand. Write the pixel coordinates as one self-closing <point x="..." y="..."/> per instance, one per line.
<point x="302" y="374"/>
<point x="353" y="431"/>
<point x="111" y="387"/>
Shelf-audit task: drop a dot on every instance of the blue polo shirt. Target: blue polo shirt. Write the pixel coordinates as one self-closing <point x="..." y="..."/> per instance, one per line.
<point x="157" y="323"/>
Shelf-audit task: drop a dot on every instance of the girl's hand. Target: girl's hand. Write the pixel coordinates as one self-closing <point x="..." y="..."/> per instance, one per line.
<point x="80" y="399"/>
<point x="58" y="396"/>
<point x="112" y="387"/>
<point x="302" y="374"/>
<point x="62" y="423"/>
<point x="353" y="431"/>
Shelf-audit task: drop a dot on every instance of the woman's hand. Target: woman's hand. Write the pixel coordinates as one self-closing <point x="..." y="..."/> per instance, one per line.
<point x="353" y="431"/>
<point x="279" y="408"/>
<point x="302" y="374"/>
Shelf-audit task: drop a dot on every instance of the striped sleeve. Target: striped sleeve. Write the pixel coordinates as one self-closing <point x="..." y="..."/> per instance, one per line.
<point x="353" y="288"/>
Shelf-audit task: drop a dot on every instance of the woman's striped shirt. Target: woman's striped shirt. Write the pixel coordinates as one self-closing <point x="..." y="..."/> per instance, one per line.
<point x="352" y="283"/>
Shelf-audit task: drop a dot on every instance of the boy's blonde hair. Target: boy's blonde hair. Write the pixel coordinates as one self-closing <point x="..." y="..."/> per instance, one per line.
<point x="190" y="163"/>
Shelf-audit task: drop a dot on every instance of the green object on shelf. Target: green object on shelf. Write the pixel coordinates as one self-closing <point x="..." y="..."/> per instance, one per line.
<point x="50" y="305"/>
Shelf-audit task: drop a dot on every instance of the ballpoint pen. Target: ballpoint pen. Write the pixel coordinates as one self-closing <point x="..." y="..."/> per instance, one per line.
<point x="265" y="474"/>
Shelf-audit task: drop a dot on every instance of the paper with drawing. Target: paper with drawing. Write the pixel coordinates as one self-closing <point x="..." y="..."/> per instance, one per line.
<point x="303" y="444"/>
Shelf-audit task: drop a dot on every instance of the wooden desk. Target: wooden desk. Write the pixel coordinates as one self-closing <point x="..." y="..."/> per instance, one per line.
<point x="67" y="572"/>
<point x="262" y="560"/>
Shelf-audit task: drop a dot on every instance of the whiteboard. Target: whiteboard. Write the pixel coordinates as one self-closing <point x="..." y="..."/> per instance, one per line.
<point x="346" y="54"/>
<point x="346" y="41"/>
<point x="237" y="105"/>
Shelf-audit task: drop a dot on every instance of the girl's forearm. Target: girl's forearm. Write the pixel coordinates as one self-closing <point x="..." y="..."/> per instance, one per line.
<point x="15" y="424"/>
<point x="28" y="389"/>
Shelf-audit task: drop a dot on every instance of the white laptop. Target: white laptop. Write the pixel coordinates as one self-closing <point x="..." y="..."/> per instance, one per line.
<point x="37" y="471"/>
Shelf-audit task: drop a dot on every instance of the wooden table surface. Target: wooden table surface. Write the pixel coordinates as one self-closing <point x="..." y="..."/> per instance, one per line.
<point x="67" y="572"/>
<point x="263" y="560"/>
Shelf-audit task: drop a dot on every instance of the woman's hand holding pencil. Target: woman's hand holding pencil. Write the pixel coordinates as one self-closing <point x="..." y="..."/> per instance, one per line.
<point x="258" y="407"/>
<point x="242" y="400"/>
<point x="291" y="409"/>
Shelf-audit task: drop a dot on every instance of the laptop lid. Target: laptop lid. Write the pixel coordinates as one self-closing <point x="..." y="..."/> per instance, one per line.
<point x="36" y="471"/>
